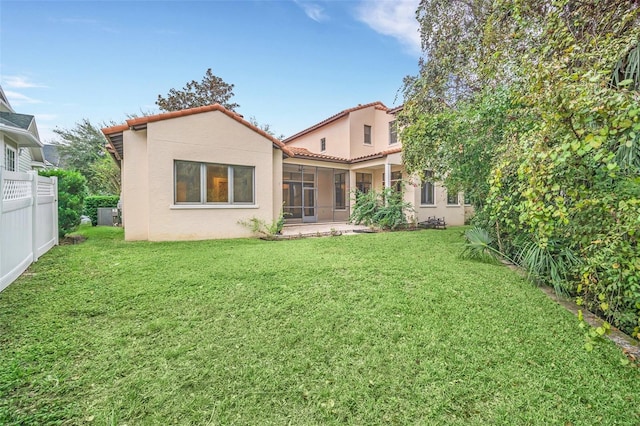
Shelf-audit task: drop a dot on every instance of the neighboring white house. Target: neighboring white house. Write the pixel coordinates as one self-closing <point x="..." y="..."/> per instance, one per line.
<point x="21" y="147"/>
<point x="28" y="202"/>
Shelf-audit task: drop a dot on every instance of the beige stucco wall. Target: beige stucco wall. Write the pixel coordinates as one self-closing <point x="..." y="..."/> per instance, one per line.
<point x="336" y="136"/>
<point x="135" y="186"/>
<point x="210" y="137"/>
<point x="379" y="122"/>
<point x="453" y="214"/>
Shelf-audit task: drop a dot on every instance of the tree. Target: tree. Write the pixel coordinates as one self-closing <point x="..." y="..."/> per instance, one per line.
<point x="534" y="104"/>
<point x="80" y="149"/>
<point x="211" y="90"/>
<point x="105" y="175"/>
<point x="265" y="128"/>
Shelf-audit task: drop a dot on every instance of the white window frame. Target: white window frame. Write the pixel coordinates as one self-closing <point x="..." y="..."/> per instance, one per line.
<point x="203" y="186"/>
<point x="427" y="176"/>
<point x="358" y="182"/>
<point x="393" y="133"/>
<point x="14" y="167"/>
<point x="370" y="128"/>
<point x="457" y="203"/>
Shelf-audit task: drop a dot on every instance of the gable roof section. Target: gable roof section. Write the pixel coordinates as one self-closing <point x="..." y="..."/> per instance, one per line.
<point x="21" y="128"/>
<point x="21" y="121"/>
<point x="378" y="105"/>
<point x="114" y="133"/>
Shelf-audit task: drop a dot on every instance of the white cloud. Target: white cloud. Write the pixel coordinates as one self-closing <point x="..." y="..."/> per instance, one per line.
<point x="16" y="99"/>
<point x="46" y="117"/>
<point x="313" y="10"/>
<point x="396" y="19"/>
<point x="18" y="82"/>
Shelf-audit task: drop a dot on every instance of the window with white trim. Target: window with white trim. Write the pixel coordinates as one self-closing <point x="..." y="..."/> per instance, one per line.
<point x="208" y="183"/>
<point x="427" y="191"/>
<point x="393" y="133"/>
<point x="364" y="181"/>
<point x="10" y="155"/>
<point x="452" y="198"/>
<point x="396" y="181"/>
<point x="367" y="135"/>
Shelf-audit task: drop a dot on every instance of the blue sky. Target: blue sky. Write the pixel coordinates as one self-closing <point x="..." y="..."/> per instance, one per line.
<point x="293" y="62"/>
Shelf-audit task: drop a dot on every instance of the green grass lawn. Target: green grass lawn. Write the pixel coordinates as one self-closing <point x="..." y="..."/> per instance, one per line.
<point x="388" y="328"/>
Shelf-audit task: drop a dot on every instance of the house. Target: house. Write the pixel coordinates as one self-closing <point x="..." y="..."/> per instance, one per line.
<point x="195" y="173"/>
<point x="358" y="148"/>
<point x="199" y="172"/>
<point x="20" y="146"/>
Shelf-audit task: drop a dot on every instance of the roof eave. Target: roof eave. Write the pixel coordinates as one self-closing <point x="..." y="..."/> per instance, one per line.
<point x="23" y="137"/>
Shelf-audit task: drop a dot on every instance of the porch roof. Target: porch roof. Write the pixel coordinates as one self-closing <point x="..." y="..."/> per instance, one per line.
<point x="304" y="153"/>
<point x="299" y="152"/>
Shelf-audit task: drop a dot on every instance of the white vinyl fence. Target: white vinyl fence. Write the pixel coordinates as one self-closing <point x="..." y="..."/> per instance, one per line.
<point x="28" y="221"/>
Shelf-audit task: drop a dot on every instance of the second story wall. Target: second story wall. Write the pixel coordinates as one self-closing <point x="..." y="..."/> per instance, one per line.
<point x="358" y="132"/>
<point x="377" y="121"/>
<point x="336" y="135"/>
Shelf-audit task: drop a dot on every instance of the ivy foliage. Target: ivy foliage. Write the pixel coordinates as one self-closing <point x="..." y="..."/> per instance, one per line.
<point x="533" y="108"/>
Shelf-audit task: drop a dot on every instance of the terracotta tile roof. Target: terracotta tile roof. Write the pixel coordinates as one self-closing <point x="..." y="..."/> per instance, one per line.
<point x="378" y="105"/>
<point x="396" y="109"/>
<point x="305" y="153"/>
<point x="376" y="155"/>
<point x="139" y="123"/>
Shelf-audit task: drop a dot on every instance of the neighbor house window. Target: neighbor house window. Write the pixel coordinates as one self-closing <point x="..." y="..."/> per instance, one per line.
<point x="393" y="133"/>
<point x="200" y="183"/>
<point x="10" y="159"/>
<point x="364" y="181"/>
<point x="323" y="144"/>
<point x="340" y="181"/>
<point x="427" y="192"/>
<point x="452" y="198"/>
<point x="367" y="135"/>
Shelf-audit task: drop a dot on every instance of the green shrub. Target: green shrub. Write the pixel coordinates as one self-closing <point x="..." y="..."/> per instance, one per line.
<point x="72" y="189"/>
<point x="93" y="202"/>
<point x="386" y="209"/>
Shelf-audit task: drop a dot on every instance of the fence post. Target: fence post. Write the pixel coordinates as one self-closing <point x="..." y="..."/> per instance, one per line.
<point x="34" y="214"/>
<point x="55" y="208"/>
<point x="1" y="188"/>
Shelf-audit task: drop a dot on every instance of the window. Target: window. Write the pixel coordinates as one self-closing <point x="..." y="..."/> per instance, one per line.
<point x="199" y="183"/>
<point x="396" y="180"/>
<point x="452" y="198"/>
<point x="364" y="181"/>
<point x="427" y="192"/>
<point x="367" y="135"/>
<point x="467" y="200"/>
<point x="340" y="180"/>
<point x="323" y="144"/>
<point x="10" y="159"/>
<point x="393" y="133"/>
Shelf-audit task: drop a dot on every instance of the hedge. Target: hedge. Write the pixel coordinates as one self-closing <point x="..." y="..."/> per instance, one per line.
<point x="92" y="203"/>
